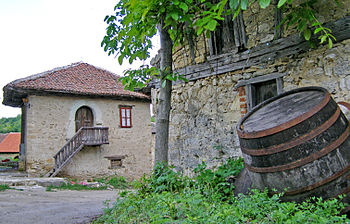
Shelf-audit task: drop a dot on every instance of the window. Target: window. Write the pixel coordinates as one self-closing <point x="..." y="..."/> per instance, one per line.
<point x="125" y="117"/>
<point x="116" y="161"/>
<point x="229" y="35"/>
<point x="262" y="91"/>
<point x="261" y="88"/>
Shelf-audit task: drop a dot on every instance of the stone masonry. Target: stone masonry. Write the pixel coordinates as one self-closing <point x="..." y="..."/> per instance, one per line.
<point x="51" y="123"/>
<point x="205" y="111"/>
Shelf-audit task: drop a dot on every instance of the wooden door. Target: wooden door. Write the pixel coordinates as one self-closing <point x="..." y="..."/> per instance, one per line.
<point x="83" y="118"/>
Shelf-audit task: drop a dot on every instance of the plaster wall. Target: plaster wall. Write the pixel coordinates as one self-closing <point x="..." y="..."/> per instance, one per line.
<point x="50" y="123"/>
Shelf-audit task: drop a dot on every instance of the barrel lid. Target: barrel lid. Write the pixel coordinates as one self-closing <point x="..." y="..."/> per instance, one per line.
<point x="282" y="112"/>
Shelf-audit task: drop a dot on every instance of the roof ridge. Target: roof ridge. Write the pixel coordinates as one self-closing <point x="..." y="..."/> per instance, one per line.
<point x="41" y="74"/>
<point x="98" y="67"/>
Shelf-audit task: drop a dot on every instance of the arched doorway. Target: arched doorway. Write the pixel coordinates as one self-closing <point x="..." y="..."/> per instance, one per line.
<point x="83" y="118"/>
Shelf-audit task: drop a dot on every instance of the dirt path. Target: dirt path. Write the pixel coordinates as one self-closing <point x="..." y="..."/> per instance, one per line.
<point x="36" y="205"/>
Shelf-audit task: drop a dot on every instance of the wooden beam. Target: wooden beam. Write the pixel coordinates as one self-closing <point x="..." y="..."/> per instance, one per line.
<point x="262" y="53"/>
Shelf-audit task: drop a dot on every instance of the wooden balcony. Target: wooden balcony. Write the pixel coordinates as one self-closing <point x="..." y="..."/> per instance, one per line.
<point x="94" y="136"/>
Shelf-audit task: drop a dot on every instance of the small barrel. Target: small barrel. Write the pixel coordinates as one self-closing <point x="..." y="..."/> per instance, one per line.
<point x="299" y="142"/>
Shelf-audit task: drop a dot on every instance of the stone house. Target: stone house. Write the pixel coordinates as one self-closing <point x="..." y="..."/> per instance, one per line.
<point x="241" y="64"/>
<point x="9" y="144"/>
<point x="79" y="121"/>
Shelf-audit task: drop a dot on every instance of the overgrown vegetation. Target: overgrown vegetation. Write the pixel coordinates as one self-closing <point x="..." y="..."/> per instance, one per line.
<point x="10" y="124"/>
<point x="169" y="197"/>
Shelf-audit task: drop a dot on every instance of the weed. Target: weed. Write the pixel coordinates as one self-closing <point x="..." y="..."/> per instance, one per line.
<point x="4" y="187"/>
<point x="169" y="197"/>
<point x="117" y="182"/>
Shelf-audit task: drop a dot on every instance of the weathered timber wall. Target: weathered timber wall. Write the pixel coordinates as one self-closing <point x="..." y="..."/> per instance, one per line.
<point x="206" y="110"/>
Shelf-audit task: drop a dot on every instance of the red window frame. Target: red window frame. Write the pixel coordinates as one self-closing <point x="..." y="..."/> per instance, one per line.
<point x="125" y="120"/>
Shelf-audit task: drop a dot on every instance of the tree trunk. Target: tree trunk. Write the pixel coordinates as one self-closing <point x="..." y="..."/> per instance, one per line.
<point x="164" y="101"/>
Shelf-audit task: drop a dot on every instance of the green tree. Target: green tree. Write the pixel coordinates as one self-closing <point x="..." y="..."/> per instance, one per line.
<point x="129" y="33"/>
<point x="11" y="124"/>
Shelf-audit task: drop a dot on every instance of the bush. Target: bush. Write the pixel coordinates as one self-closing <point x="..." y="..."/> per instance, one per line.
<point x="168" y="197"/>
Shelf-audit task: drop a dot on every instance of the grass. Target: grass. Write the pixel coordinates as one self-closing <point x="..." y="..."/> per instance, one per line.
<point x="117" y="182"/>
<point x="4" y="187"/>
<point x="75" y="187"/>
<point x="104" y="184"/>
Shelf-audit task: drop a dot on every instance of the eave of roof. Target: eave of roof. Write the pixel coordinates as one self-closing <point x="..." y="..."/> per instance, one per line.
<point x="78" y="79"/>
<point x="11" y="143"/>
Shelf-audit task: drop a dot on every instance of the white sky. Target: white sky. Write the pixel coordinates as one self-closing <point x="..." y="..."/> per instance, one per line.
<point x="39" y="35"/>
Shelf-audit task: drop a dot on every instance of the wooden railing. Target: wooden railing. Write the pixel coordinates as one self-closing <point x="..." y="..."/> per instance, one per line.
<point x="85" y="136"/>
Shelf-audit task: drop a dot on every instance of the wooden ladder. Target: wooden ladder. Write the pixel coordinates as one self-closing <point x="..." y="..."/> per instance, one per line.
<point x="85" y="136"/>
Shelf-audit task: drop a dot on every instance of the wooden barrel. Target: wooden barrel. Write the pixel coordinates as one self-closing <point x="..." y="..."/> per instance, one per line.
<point x="297" y="141"/>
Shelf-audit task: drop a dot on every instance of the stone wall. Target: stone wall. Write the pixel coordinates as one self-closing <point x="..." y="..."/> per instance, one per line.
<point x="50" y="123"/>
<point x="260" y="28"/>
<point x="205" y="111"/>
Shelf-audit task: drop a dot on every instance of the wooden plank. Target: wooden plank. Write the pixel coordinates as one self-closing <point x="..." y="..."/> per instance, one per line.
<point x="262" y="53"/>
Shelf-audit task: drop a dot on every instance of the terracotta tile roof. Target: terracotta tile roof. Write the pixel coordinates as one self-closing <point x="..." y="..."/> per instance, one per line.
<point x="2" y="137"/>
<point x="78" y="78"/>
<point x="10" y="143"/>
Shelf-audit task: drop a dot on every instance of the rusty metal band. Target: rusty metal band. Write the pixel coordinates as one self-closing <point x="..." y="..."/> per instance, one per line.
<point x="289" y="124"/>
<point x="345" y="104"/>
<point x="300" y="140"/>
<point x="329" y="148"/>
<point x="320" y="183"/>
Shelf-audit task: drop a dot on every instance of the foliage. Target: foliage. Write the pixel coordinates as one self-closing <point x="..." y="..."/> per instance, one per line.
<point x="153" y="119"/>
<point x="129" y="31"/>
<point x="215" y="182"/>
<point x="10" y="159"/>
<point x="168" y="197"/>
<point x="11" y="124"/>
<point x="163" y="178"/>
<point x="304" y="18"/>
<point x="4" y="187"/>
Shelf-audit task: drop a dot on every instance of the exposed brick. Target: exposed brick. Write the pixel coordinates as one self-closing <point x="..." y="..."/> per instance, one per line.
<point x="243" y="105"/>
<point x="242" y="99"/>
<point x="241" y="91"/>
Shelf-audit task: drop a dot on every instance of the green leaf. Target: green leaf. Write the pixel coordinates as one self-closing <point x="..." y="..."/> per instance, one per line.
<point x="244" y="4"/>
<point x="163" y="83"/>
<point x="307" y="34"/>
<point x="174" y="15"/>
<point x="317" y="30"/>
<point x="211" y="25"/>
<point x="120" y="59"/>
<point x="330" y="43"/>
<point x="280" y="3"/>
<point x="200" y="31"/>
<point x="323" y="38"/>
<point x="234" y="4"/>
<point x="264" y="3"/>
<point x="183" y="6"/>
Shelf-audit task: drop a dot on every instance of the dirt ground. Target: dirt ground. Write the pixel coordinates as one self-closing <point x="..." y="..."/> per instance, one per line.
<point x="36" y="205"/>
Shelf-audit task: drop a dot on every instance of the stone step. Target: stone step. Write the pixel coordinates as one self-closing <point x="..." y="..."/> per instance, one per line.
<point x="31" y="181"/>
